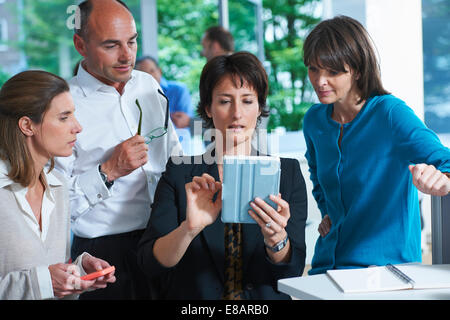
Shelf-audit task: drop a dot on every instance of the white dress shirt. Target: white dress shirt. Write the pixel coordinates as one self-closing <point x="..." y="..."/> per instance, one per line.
<point x="108" y="119"/>
<point x="48" y="203"/>
<point x="12" y="284"/>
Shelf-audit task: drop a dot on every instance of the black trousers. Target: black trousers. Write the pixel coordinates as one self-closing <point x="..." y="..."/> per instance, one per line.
<point x="118" y="250"/>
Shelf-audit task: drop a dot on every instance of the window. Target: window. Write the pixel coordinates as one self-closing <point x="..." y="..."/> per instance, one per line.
<point x="3" y="35"/>
<point x="436" y="65"/>
<point x="243" y="25"/>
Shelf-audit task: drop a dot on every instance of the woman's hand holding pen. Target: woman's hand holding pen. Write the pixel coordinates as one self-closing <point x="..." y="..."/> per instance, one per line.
<point x="201" y="210"/>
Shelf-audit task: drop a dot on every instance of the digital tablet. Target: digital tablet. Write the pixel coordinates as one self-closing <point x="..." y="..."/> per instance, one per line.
<point x="244" y="179"/>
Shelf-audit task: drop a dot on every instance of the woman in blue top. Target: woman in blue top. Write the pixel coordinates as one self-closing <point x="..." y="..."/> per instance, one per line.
<point x="366" y="150"/>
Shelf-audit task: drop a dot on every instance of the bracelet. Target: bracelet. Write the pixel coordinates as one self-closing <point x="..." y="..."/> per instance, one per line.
<point x="279" y="246"/>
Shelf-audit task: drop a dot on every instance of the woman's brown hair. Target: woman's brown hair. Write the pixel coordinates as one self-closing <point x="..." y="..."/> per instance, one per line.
<point x="341" y="41"/>
<point x="242" y="66"/>
<point x="29" y="94"/>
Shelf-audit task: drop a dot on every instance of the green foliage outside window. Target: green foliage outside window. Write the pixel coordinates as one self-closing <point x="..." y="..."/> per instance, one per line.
<point x="46" y="34"/>
<point x="180" y="28"/>
<point x="3" y="77"/>
<point x="286" y="23"/>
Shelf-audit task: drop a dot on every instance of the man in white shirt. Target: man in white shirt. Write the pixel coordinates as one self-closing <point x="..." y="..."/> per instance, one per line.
<point x="113" y="172"/>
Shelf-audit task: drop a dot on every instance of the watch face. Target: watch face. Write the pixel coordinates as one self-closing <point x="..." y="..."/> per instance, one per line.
<point x="278" y="246"/>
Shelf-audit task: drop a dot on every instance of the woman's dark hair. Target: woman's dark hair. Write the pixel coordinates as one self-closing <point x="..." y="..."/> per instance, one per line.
<point x="341" y="41"/>
<point x="29" y="94"/>
<point x="242" y="66"/>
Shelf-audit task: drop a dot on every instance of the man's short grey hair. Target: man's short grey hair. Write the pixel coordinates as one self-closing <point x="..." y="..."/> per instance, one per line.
<point x="85" y="11"/>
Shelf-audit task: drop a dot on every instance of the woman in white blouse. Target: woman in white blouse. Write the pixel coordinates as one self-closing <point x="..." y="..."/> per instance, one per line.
<point x="37" y="123"/>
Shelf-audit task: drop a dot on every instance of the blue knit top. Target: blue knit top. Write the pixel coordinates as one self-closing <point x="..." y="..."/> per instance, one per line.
<point x="365" y="185"/>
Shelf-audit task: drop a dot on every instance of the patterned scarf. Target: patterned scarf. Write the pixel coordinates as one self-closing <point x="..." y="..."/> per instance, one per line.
<point x="233" y="262"/>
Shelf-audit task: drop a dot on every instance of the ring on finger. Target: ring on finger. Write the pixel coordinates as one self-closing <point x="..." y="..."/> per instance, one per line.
<point x="268" y="225"/>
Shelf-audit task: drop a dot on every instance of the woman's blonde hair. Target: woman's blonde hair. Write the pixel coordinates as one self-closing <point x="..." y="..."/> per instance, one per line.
<point x="29" y="94"/>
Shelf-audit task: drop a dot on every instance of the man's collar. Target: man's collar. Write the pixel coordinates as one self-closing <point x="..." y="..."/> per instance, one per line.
<point x="89" y="84"/>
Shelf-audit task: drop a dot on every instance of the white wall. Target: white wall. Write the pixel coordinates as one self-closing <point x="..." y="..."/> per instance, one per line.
<point x="396" y="29"/>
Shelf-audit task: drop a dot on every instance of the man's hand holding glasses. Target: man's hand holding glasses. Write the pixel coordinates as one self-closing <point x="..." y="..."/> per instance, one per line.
<point x="133" y="153"/>
<point x="126" y="157"/>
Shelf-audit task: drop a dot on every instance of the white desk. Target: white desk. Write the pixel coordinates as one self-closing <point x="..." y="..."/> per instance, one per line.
<point x="321" y="287"/>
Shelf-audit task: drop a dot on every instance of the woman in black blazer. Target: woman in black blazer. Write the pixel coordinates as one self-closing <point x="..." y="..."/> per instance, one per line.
<point x="187" y="252"/>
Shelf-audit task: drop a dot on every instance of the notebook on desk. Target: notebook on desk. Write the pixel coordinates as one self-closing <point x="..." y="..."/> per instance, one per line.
<point x="382" y="278"/>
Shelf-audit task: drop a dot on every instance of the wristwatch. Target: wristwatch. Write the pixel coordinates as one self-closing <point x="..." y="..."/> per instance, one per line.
<point x="104" y="177"/>
<point x="279" y="246"/>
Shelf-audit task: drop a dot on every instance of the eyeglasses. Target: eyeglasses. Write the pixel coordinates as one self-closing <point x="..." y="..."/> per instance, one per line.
<point x="157" y="132"/>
